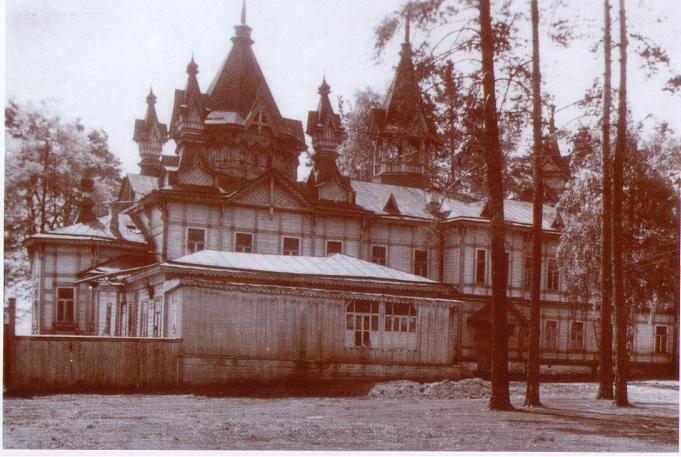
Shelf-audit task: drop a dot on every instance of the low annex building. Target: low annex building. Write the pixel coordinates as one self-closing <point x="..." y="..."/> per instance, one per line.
<point x="244" y="272"/>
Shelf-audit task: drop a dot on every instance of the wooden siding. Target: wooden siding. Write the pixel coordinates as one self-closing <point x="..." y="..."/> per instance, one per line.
<point x="64" y="362"/>
<point x="252" y="324"/>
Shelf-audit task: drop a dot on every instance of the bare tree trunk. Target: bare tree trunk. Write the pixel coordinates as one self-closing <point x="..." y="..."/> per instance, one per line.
<point x="500" y="399"/>
<point x="606" y="376"/>
<point x="622" y="359"/>
<point x="532" y="390"/>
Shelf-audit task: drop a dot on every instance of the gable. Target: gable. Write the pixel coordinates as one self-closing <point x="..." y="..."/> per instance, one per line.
<point x="196" y="175"/>
<point x="270" y="193"/>
<point x="391" y="206"/>
<point x="333" y="191"/>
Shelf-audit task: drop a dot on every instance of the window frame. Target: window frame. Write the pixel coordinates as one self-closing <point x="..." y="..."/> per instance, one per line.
<point x="58" y="304"/>
<point x="188" y="244"/>
<point x="425" y="264"/>
<point x="659" y="349"/>
<point x="552" y="275"/>
<point x="527" y="273"/>
<point x="368" y="322"/>
<point x="283" y="245"/>
<point x="326" y="247"/>
<point x="555" y="342"/>
<point x="237" y="247"/>
<point x="573" y="346"/>
<point x="508" y="257"/>
<point x="476" y="278"/>
<point x="385" y="254"/>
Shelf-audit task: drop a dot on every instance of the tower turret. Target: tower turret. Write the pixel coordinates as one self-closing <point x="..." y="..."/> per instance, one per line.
<point x="403" y="132"/>
<point x="150" y="136"/>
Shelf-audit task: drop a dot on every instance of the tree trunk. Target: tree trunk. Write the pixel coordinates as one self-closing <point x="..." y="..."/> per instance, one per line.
<point x="500" y="399"/>
<point x="617" y="245"/>
<point x="532" y="390"/>
<point x="606" y="377"/>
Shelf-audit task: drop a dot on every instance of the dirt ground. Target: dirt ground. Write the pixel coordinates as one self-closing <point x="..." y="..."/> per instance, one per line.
<point x="394" y="416"/>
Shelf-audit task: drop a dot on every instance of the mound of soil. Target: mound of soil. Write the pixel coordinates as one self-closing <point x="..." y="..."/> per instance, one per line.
<point x="469" y="388"/>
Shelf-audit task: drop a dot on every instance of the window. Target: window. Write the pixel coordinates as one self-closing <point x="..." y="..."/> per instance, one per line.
<point x="378" y="255"/>
<point x="660" y="339"/>
<point x="243" y="242"/>
<point x="527" y="276"/>
<point x="508" y="269"/>
<point x="334" y="247"/>
<point x="157" y="318"/>
<point x="65" y="304"/>
<point x="290" y="246"/>
<point x="196" y="239"/>
<point x="400" y="317"/>
<point x="551" y="335"/>
<point x="144" y="319"/>
<point x="132" y="320"/>
<point x="361" y="322"/>
<point x="107" y="324"/>
<point x="480" y="266"/>
<point x="420" y="262"/>
<point x="551" y="274"/>
<point x="577" y="336"/>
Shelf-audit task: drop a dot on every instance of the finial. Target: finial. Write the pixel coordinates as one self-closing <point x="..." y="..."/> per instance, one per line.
<point x="552" y="120"/>
<point x="324" y="89"/>
<point x="407" y="29"/>
<point x="192" y="68"/>
<point x="151" y="98"/>
<point x="243" y="12"/>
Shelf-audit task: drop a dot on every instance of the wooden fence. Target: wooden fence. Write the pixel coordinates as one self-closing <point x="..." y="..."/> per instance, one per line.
<point x="87" y="363"/>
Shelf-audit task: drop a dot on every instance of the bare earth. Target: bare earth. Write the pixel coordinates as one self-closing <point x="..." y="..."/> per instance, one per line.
<point x="394" y="416"/>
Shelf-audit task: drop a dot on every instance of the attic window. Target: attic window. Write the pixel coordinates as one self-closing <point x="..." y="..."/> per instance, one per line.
<point x="391" y="206"/>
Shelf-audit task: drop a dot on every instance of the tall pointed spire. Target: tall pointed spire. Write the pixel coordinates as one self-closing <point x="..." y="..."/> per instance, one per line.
<point x="407" y="31"/>
<point x="403" y="130"/>
<point x="324" y="127"/>
<point x="150" y="135"/>
<point x="243" y="12"/>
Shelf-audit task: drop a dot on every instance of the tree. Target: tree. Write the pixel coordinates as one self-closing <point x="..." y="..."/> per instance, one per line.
<point x="650" y="220"/>
<point x="46" y="158"/>
<point x="605" y="350"/>
<point x="356" y="152"/>
<point x="500" y="398"/>
<point x="532" y="390"/>
<point x="622" y="358"/>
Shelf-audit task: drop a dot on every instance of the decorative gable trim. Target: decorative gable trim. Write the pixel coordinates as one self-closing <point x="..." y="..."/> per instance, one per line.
<point x="273" y="191"/>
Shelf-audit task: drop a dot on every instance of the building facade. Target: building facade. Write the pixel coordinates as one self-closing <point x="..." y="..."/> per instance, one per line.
<point x="219" y="246"/>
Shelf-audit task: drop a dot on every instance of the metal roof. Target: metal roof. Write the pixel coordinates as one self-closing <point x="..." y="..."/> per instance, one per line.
<point x="337" y="265"/>
<point x="101" y="228"/>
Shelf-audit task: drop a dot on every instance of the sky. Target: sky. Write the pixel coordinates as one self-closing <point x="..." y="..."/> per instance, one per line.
<point x="96" y="60"/>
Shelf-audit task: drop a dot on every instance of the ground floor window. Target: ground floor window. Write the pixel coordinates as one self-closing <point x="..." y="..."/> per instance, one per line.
<point x="378" y="325"/>
<point x="157" y="328"/>
<point x="577" y="336"/>
<point x="660" y="339"/>
<point x="66" y="304"/>
<point x="551" y="334"/>
<point x="361" y="321"/>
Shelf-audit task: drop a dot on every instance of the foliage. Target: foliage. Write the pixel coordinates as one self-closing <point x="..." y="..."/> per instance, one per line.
<point x="356" y="152"/>
<point x="46" y="157"/>
<point x="650" y="220"/>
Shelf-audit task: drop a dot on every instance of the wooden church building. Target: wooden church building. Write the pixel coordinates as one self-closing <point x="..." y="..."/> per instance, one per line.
<point x="243" y="272"/>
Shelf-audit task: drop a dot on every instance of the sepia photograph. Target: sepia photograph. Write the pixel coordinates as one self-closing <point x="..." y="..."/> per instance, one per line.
<point x="342" y="225"/>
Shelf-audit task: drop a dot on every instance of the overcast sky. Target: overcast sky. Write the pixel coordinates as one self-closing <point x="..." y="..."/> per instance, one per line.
<point x="97" y="59"/>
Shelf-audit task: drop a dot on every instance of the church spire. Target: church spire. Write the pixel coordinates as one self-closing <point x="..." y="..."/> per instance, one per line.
<point x="243" y="12"/>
